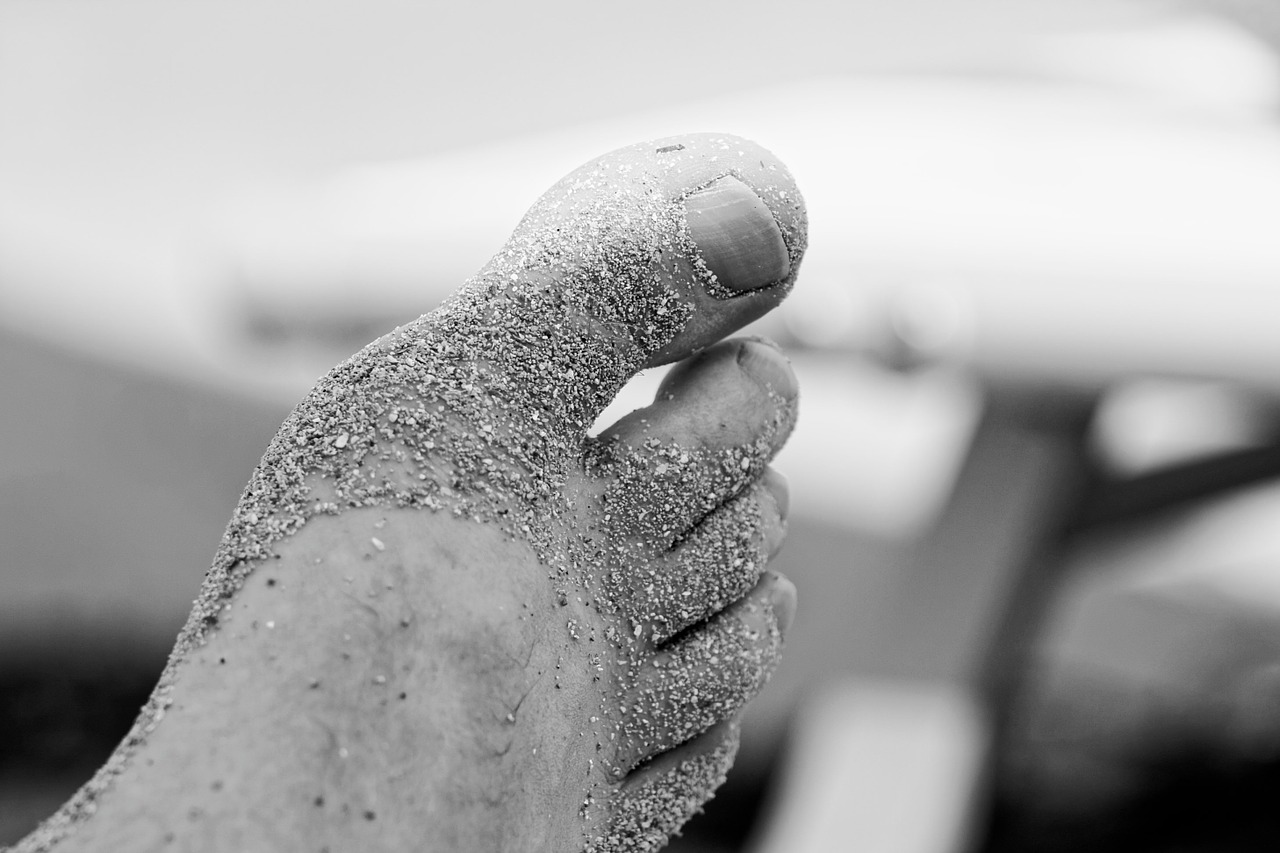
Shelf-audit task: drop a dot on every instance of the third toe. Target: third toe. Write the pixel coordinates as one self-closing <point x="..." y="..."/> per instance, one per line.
<point x="718" y="562"/>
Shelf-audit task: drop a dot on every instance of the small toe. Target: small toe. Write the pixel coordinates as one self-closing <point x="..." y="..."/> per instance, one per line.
<point x="707" y="675"/>
<point x="660" y="797"/>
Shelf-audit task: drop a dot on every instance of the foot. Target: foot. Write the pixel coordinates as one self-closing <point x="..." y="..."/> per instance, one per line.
<point x="442" y="616"/>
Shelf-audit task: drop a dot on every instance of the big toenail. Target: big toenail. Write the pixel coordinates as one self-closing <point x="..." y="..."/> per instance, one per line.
<point x="766" y="365"/>
<point x="736" y="235"/>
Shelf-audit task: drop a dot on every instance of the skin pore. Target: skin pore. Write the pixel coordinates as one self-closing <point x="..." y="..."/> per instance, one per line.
<point x="444" y="617"/>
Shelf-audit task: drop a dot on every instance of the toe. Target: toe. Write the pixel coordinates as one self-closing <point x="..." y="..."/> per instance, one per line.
<point x="714" y="565"/>
<point x="742" y="264"/>
<point x="738" y="232"/>
<point x="747" y="227"/>
<point x="658" y="798"/>
<point x="722" y="559"/>
<point x="707" y="675"/>
<point x="716" y="422"/>
<point x="639" y="258"/>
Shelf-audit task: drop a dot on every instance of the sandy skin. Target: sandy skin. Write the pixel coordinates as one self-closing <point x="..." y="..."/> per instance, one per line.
<point x="443" y="618"/>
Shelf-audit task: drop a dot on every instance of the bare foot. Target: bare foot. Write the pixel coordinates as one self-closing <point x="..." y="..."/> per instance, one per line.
<point x="444" y="618"/>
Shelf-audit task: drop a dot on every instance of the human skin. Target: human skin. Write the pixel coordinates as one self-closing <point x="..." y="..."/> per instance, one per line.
<point x="443" y="616"/>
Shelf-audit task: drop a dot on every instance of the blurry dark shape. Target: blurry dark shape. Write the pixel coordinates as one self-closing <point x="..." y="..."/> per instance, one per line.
<point x="1103" y="767"/>
<point x="1175" y="750"/>
<point x="60" y="719"/>
<point x="1170" y="488"/>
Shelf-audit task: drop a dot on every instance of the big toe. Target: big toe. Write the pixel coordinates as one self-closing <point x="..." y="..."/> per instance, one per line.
<point x="638" y="258"/>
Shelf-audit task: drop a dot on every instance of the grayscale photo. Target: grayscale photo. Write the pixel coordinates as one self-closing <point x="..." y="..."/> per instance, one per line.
<point x="569" y="427"/>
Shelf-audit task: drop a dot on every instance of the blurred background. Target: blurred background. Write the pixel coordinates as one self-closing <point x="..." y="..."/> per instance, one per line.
<point x="1035" y="496"/>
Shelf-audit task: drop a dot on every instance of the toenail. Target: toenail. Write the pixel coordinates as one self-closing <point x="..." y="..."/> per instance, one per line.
<point x="737" y="236"/>
<point x="766" y="364"/>
<point x="783" y="599"/>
